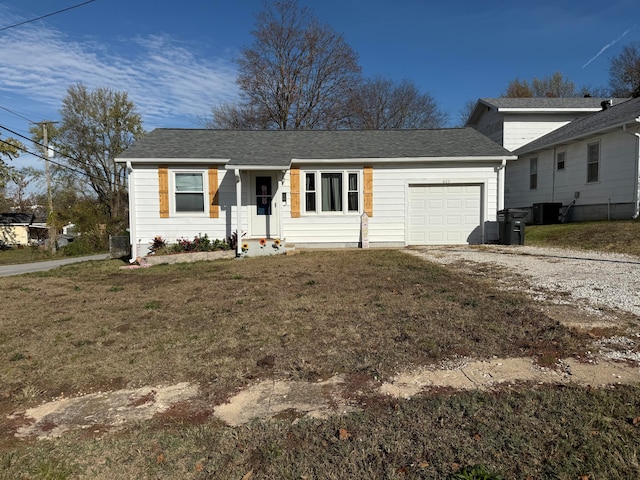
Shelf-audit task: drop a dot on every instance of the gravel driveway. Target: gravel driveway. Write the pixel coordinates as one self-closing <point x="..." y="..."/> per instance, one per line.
<point x="573" y="277"/>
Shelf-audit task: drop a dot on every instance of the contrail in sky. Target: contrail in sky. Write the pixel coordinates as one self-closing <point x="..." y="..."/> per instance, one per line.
<point x="608" y="45"/>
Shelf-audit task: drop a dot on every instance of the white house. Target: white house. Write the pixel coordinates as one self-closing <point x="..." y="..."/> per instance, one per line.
<point x="310" y="188"/>
<point x="514" y="122"/>
<point x="591" y="166"/>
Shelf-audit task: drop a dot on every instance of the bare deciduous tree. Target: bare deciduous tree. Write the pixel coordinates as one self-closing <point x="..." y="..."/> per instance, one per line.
<point x="296" y="75"/>
<point x="383" y="104"/>
<point x="624" y="72"/>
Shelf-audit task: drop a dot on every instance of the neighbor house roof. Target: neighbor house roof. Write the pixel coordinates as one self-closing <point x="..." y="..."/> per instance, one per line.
<point x="278" y="148"/>
<point x="539" y="105"/>
<point x="14" y="218"/>
<point x="613" y="117"/>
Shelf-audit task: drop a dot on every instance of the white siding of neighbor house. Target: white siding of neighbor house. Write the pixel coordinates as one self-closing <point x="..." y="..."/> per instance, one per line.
<point x="616" y="178"/>
<point x="148" y="223"/>
<point x="388" y="224"/>
<point x="521" y="129"/>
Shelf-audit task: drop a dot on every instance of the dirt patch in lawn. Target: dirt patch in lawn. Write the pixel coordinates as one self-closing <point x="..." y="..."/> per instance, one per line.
<point x="100" y="412"/>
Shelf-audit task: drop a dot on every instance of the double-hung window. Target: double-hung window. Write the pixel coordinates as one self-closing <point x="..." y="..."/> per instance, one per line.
<point x="189" y="192"/>
<point x="593" y="162"/>
<point x="332" y="191"/>
<point x="533" y="173"/>
<point x="560" y="159"/>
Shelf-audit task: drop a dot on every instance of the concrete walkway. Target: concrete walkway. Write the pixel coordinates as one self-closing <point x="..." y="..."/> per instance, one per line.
<point x="21" y="268"/>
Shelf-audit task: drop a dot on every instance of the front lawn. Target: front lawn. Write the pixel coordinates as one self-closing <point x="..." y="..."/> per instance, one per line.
<point x="365" y="314"/>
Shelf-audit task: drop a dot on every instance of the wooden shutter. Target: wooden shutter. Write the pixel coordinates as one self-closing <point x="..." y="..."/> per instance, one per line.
<point x="214" y="202"/>
<point x="368" y="191"/>
<point x="294" y="177"/>
<point x="163" y="190"/>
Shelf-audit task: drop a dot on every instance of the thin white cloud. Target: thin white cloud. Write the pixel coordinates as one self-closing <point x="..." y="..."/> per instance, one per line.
<point x="164" y="78"/>
<point x="602" y="50"/>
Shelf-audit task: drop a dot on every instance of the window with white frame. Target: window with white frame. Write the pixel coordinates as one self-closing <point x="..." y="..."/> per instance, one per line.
<point x="593" y="162"/>
<point x="533" y="173"/>
<point x="560" y="158"/>
<point x="189" y="192"/>
<point x="332" y="191"/>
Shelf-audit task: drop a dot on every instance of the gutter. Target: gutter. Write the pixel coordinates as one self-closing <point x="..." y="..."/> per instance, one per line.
<point x="135" y="254"/>
<point x="636" y="190"/>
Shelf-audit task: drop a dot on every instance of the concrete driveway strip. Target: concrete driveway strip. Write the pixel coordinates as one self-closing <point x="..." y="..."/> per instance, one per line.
<point x="19" y="269"/>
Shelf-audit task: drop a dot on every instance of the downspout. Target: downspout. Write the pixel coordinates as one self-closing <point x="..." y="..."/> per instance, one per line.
<point x="238" y="212"/>
<point x="636" y="190"/>
<point x="135" y="247"/>
<point x="554" y="166"/>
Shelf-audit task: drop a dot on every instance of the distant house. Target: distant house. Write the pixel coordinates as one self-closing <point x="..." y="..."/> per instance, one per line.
<point x="15" y="228"/>
<point x="311" y="188"/>
<point x="591" y="166"/>
<point x="514" y="122"/>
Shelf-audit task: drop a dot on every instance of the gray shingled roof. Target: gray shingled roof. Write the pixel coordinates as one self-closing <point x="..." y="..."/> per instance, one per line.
<point x="616" y="116"/>
<point x="276" y="148"/>
<point x="15" y="218"/>
<point x="544" y="102"/>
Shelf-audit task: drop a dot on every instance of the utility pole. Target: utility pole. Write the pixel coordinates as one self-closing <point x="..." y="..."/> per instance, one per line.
<point x="50" y="217"/>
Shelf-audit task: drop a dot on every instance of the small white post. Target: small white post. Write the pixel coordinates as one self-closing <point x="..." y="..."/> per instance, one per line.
<point x="364" y="230"/>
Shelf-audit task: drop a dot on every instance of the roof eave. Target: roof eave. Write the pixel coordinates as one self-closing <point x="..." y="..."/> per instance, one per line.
<point x="239" y="166"/>
<point x="208" y="161"/>
<point x="548" y="110"/>
<point x="470" y="158"/>
<point x="579" y="137"/>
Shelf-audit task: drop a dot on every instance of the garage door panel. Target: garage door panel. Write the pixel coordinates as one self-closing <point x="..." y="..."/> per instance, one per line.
<point x="446" y="214"/>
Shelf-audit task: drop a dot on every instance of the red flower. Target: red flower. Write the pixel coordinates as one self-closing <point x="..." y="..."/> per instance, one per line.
<point x="263" y="242"/>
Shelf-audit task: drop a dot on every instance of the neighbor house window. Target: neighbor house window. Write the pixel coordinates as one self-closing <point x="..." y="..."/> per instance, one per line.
<point x="533" y="174"/>
<point x="336" y="191"/>
<point x="560" y="157"/>
<point x="189" y="192"/>
<point x="593" y="162"/>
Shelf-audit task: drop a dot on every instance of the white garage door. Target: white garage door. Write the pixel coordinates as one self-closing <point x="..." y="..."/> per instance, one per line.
<point x="444" y="214"/>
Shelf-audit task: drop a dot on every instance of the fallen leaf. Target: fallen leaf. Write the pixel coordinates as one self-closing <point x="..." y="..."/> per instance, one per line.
<point x="455" y="467"/>
<point x="343" y="434"/>
<point x="199" y="467"/>
<point x="248" y="475"/>
<point x="402" y="471"/>
<point x="160" y="458"/>
<point x="423" y="464"/>
<point x="477" y="437"/>
<point x="636" y="420"/>
<point x="584" y="477"/>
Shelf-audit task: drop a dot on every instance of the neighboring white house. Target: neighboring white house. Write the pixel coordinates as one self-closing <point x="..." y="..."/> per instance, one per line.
<point x="514" y="122"/>
<point x="591" y="166"/>
<point x="310" y="188"/>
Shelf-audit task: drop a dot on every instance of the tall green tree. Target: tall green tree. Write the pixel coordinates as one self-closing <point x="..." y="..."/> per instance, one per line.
<point x="296" y="75"/>
<point x="10" y="148"/>
<point x="624" y="72"/>
<point x="96" y="127"/>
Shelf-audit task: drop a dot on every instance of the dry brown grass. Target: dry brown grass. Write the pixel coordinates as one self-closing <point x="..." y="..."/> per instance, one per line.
<point x="88" y="327"/>
<point x="84" y="328"/>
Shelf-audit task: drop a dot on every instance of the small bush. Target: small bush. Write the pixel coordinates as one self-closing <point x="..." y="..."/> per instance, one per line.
<point x="200" y="243"/>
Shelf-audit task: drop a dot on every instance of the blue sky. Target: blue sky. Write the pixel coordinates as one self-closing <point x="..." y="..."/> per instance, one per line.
<point x="176" y="59"/>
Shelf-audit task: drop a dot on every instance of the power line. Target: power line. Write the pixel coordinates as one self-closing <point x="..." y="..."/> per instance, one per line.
<point x="47" y="15"/>
<point x="38" y="155"/>
<point x="16" y="114"/>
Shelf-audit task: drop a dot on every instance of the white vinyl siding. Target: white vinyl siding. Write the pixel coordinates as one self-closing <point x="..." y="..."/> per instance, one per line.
<point x="616" y="177"/>
<point x="388" y="224"/>
<point x="147" y="219"/>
